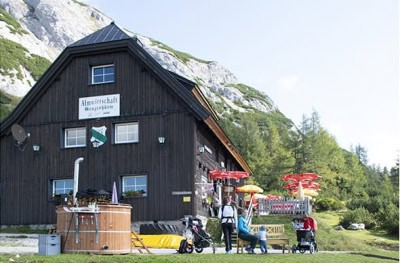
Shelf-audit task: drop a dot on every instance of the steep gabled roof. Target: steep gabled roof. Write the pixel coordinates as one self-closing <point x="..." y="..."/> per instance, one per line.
<point x="102" y="44"/>
<point x="191" y="86"/>
<point x="109" y="33"/>
<point x="112" y="37"/>
<point x="211" y="121"/>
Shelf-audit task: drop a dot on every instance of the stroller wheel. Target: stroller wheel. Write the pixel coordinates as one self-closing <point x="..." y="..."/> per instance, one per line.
<point x="294" y="248"/>
<point x="189" y="248"/>
<point x="213" y="248"/>
<point x="312" y="249"/>
<point x="302" y="251"/>
<point x="199" y="249"/>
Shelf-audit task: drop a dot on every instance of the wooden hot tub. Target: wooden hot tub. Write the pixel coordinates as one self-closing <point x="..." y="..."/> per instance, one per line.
<point x="105" y="230"/>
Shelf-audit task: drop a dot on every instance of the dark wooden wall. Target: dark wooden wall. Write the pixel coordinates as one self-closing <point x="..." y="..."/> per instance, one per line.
<point x="209" y="161"/>
<point x="25" y="175"/>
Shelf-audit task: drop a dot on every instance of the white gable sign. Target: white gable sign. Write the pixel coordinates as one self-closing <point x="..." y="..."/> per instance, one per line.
<point x="99" y="106"/>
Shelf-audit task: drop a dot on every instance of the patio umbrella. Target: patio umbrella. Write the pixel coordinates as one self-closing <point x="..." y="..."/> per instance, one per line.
<point x="216" y="174"/>
<point x="306" y="184"/>
<point x="252" y="189"/>
<point x="299" y="183"/>
<point x="307" y="192"/>
<point x="114" y="197"/>
<point x="301" y="177"/>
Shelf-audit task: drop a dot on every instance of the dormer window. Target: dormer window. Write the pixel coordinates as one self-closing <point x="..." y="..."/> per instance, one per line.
<point x="103" y="74"/>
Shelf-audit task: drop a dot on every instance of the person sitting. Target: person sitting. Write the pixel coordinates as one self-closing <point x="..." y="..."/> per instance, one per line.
<point x="245" y="233"/>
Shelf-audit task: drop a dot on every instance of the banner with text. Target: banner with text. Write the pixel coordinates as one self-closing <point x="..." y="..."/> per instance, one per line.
<point x="99" y="106"/>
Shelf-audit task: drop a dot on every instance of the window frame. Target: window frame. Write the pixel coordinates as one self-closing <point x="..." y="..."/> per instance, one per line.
<point x="66" y="137"/>
<point x="135" y="186"/>
<point x="93" y="68"/>
<point x="116" y="134"/>
<point x="53" y="189"/>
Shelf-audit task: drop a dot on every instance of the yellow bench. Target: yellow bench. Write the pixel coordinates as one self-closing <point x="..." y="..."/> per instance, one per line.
<point x="276" y="237"/>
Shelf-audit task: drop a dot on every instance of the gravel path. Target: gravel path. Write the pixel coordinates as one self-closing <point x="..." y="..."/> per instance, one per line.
<point x="19" y="243"/>
<point x="27" y="244"/>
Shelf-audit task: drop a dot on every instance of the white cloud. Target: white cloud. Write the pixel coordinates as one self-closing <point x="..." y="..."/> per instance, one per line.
<point x="288" y="83"/>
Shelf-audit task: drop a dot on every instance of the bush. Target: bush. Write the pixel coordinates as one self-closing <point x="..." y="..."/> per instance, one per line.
<point x="355" y="203"/>
<point x="14" y="55"/>
<point x="388" y="219"/>
<point x="7" y="103"/>
<point x="214" y="229"/>
<point x="359" y="215"/>
<point x="11" y="23"/>
<point x="328" y="203"/>
<point x="372" y="204"/>
<point x="36" y="65"/>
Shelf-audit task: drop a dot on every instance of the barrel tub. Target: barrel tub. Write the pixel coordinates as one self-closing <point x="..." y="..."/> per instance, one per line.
<point x="81" y="234"/>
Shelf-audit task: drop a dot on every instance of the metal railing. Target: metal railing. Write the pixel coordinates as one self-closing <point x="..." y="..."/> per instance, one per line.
<point x="285" y="207"/>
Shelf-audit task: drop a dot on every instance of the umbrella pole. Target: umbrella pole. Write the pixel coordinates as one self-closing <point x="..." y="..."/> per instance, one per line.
<point x="250" y="209"/>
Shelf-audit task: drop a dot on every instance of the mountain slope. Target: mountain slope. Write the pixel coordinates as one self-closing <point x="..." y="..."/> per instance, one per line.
<point x="40" y="29"/>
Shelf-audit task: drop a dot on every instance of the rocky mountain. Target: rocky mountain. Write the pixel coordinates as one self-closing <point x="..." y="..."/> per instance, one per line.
<point x="34" y="32"/>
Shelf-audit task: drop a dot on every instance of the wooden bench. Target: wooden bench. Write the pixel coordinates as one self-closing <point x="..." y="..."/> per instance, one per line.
<point x="276" y="237"/>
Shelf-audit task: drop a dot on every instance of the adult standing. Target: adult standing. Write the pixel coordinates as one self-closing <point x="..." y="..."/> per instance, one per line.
<point x="245" y="233"/>
<point x="228" y="215"/>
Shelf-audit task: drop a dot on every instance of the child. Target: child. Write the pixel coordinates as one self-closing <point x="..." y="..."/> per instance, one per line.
<point x="263" y="235"/>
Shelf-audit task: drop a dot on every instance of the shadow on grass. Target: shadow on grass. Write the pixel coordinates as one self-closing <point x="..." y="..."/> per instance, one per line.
<point x="375" y="256"/>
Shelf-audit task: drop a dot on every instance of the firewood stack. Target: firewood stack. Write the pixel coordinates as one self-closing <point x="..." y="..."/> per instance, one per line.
<point x="91" y="196"/>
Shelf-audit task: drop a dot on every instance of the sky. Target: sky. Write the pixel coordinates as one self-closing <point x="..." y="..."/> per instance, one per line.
<point x="339" y="58"/>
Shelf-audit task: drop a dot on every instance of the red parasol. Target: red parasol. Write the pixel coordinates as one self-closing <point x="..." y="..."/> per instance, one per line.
<point x="302" y="184"/>
<point x="216" y="174"/>
<point x="300" y="177"/>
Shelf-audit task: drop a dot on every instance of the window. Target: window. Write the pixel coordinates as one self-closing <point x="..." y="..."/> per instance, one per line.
<point x="103" y="74"/>
<point x="75" y="137"/>
<point x="134" y="186"/>
<point x="127" y="132"/>
<point x="62" y="186"/>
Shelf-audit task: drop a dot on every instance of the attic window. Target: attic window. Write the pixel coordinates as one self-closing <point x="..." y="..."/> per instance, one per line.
<point x="103" y="74"/>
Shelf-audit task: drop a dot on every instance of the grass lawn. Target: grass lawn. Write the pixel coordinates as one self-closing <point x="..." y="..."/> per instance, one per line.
<point x="374" y="238"/>
<point x="365" y="246"/>
<point x="340" y="258"/>
<point x="329" y="239"/>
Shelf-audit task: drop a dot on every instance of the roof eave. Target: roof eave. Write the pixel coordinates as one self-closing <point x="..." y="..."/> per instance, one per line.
<point x="217" y="130"/>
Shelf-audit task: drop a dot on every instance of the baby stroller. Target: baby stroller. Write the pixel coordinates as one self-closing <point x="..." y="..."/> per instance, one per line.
<point x="305" y="232"/>
<point x="194" y="231"/>
<point x="305" y="241"/>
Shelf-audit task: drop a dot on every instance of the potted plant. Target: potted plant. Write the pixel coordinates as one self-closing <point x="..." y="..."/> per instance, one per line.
<point x="132" y="193"/>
